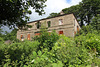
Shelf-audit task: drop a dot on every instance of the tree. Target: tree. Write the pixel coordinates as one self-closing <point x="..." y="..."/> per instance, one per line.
<point x="14" y="12"/>
<point x="77" y="11"/>
<point x="1" y="32"/>
<point x="96" y="23"/>
<point x="85" y="11"/>
<point x="10" y="36"/>
<point x="46" y="39"/>
<point x="91" y="9"/>
<point x="53" y="15"/>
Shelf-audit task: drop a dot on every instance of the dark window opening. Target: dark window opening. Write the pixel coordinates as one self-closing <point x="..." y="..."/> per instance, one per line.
<point x="61" y="32"/>
<point x="77" y="29"/>
<point x="49" y="23"/>
<point x="37" y="33"/>
<point x="38" y="25"/>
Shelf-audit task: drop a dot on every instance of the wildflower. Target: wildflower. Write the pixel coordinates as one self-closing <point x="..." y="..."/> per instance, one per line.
<point x="32" y="60"/>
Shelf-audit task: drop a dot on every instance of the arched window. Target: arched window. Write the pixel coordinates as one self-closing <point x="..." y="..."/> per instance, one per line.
<point x="28" y="37"/>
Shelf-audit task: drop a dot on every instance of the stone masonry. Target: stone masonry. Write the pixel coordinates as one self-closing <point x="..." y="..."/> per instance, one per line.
<point x="65" y="24"/>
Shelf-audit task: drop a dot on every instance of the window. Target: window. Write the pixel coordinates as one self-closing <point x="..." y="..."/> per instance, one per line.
<point x="36" y="34"/>
<point x="49" y="23"/>
<point x="77" y="29"/>
<point x="38" y="24"/>
<point x="60" y="21"/>
<point x="22" y="38"/>
<point x="49" y="31"/>
<point x="75" y="32"/>
<point x="28" y="37"/>
<point x="29" y="28"/>
<point x="61" y="32"/>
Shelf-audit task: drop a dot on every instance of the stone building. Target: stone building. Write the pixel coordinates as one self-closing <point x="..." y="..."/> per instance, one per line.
<point x="63" y="24"/>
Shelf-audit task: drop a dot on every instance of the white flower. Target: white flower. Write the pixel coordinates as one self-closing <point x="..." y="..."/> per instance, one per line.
<point x="96" y="52"/>
<point x="46" y="58"/>
<point x="32" y="60"/>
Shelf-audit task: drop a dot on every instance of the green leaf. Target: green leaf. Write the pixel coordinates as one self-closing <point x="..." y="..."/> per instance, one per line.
<point x="39" y="53"/>
<point x="25" y="65"/>
<point x="34" y="54"/>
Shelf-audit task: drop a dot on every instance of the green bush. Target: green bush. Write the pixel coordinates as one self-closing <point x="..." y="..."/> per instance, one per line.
<point x="52" y="50"/>
<point x="90" y="41"/>
<point x="64" y="53"/>
<point x="17" y="53"/>
<point x="46" y="39"/>
<point x="1" y="41"/>
<point x="69" y="54"/>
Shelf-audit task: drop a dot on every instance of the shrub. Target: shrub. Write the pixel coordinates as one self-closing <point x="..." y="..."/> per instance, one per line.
<point x="17" y="53"/>
<point x="46" y="39"/>
<point x="90" y="41"/>
<point x="69" y="54"/>
<point x="1" y="41"/>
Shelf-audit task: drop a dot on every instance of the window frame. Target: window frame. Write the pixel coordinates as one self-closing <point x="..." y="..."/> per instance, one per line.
<point x="21" y="37"/>
<point x="61" y="32"/>
<point x="60" y="21"/>
<point x="38" y="24"/>
<point x="49" y="23"/>
<point x="28" y="36"/>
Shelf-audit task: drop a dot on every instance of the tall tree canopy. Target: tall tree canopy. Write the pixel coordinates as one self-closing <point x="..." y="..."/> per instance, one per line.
<point x="85" y="11"/>
<point x="91" y="9"/>
<point x="96" y="23"/>
<point x="14" y="12"/>
<point x="78" y="11"/>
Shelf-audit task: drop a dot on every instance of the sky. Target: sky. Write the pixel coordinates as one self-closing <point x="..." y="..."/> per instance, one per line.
<point x="52" y="6"/>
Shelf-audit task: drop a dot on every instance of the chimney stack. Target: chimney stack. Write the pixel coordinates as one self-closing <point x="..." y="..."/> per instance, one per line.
<point x="61" y="13"/>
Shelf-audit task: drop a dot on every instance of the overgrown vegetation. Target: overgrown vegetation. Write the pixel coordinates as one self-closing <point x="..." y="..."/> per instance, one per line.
<point x="53" y="50"/>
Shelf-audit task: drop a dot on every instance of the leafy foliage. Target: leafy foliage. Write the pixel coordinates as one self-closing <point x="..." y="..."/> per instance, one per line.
<point x="53" y="15"/>
<point x="13" y="11"/>
<point x="84" y="11"/>
<point x="96" y="23"/>
<point x="10" y="36"/>
<point x="53" y="50"/>
<point x="90" y="41"/>
<point x="65" y="52"/>
<point x="1" y="40"/>
<point x="17" y="53"/>
<point x="46" y="39"/>
<point x="69" y="54"/>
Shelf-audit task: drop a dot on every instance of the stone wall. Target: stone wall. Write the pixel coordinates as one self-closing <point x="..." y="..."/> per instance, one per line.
<point x="69" y="26"/>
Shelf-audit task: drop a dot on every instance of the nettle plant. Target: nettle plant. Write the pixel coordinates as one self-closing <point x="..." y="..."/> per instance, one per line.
<point x="91" y="41"/>
<point x="70" y="54"/>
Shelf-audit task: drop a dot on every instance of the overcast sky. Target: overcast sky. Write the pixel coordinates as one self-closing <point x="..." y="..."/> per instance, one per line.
<point x="52" y="6"/>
